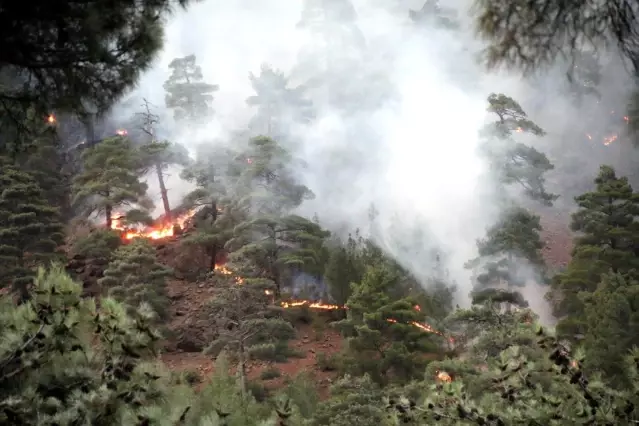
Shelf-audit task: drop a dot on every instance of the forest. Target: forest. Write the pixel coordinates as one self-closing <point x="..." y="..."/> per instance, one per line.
<point x="229" y="304"/>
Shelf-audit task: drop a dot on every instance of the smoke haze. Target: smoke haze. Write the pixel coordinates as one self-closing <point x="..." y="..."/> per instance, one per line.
<point x="409" y="145"/>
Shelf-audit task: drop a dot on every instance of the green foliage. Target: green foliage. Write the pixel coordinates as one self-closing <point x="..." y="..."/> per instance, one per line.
<point x="538" y="383"/>
<point x="245" y="323"/>
<point x="510" y="244"/>
<point x="31" y="231"/>
<point x="135" y="277"/>
<point x="513" y="162"/>
<point x="343" y="268"/>
<point x="290" y="241"/>
<point x="301" y="390"/>
<point x="164" y="153"/>
<point x="98" y="246"/>
<point x="354" y="401"/>
<point x="383" y="339"/>
<point x="186" y="92"/>
<point x="66" y="362"/>
<point x="612" y="320"/>
<point x="496" y="320"/>
<point x="111" y="178"/>
<point x="56" y="60"/>
<point x="265" y="178"/>
<point x="270" y="373"/>
<point x="607" y="231"/>
<point x="513" y="33"/>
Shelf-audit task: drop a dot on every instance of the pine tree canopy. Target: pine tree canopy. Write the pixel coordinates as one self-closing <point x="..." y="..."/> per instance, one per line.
<point x="63" y="56"/>
<point x="531" y="35"/>
<point x="31" y="232"/>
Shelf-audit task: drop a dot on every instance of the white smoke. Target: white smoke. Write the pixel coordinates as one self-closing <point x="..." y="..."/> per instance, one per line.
<point x="413" y="156"/>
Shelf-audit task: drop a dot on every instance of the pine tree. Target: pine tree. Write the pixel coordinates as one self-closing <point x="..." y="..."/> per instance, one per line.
<point x="270" y="244"/>
<point x="513" y="34"/>
<point x="278" y="105"/>
<point x="159" y="156"/>
<point x="55" y="60"/>
<point x="64" y="361"/>
<point x="212" y="230"/>
<point x="186" y="92"/>
<point x="535" y="381"/>
<point x="343" y="268"/>
<point x="383" y="338"/>
<point x="135" y="276"/>
<point x="111" y="179"/>
<point x="265" y="178"/>
<point x="511" y="243"/>
<point x="31" y="232"/>
<point x="607" y="234"/>
<point x="513" y="162"/>
<point x="353" y="401"/>
<point x="612" y="319"/>
<point x="246" y="324"/>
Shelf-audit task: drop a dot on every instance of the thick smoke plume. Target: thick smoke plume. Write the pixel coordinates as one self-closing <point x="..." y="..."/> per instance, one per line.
<point x="405" y="143"/>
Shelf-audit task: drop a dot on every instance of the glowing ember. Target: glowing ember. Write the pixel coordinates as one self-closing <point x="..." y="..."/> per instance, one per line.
<point x="121" y="132"/>
<point x="226" y="271"/>
<point x="325" y="306"/>
<point x="155" y="232"/>
<point x="51" y="119"/>
<point x="610" y="139"/>
<point x="443" y="376"/>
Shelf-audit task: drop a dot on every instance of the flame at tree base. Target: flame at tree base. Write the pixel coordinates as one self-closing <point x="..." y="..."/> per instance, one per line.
<point x="161" y="230"/>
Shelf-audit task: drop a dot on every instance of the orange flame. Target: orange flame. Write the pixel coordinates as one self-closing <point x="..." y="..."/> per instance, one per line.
<point x="519" y="130"/>
<point x="226" y="271"/>
<point x="51" y="119"/>
<point x="443" y="376"/>
<point x="326" y="306"/>
<point x="155" y="232"/>
<point x="121" y="132"/>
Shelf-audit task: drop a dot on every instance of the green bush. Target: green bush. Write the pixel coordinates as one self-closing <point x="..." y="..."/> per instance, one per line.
<point x="270" y="373"/>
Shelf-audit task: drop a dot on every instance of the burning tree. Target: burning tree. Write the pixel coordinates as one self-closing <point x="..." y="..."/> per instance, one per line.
<point x="246" y="323"/>
<point x="31" y="229"/>
<point x="514" y="162"/>
<point x="111" y="179"/>
<point x="159" y="156"/>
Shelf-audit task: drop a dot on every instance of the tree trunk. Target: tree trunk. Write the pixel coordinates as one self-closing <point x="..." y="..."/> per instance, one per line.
<point x="242" y="370"/>
<point x="165" y="197"/>
<point x="108" y="212"/>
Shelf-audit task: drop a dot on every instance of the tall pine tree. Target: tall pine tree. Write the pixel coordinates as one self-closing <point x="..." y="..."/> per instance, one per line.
<point x="607" y="235"/>
<point x="187" y="94"/>
<point x="31" y="230"/>
<point x="111" y="179"/>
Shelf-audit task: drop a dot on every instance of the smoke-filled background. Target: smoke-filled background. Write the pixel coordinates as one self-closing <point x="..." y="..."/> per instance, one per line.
<point x="398" y="104"/>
